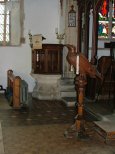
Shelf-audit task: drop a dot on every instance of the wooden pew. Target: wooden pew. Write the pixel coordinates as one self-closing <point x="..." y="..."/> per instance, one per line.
<point x="14" y="89"/>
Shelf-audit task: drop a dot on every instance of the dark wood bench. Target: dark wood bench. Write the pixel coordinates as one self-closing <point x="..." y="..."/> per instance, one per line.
<point x="15" y="90"/>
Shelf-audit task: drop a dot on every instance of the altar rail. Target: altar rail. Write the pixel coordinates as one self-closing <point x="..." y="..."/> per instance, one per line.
<point x="17" y="90"/>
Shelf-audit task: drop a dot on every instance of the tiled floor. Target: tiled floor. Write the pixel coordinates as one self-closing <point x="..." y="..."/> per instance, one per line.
<point x="39" y="112"/>
<point x="40" y="129"/>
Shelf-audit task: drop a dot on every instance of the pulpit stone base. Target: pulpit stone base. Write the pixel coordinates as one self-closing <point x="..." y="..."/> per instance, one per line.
<point x="46" y="87"/>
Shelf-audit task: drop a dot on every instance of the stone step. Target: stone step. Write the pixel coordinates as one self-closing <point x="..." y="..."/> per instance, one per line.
<point x="69" y="101"/>
<point x="68" y="94"/>
<point x="67" y="88"/>
<point x="95" y="115"/>
<point x="67" y="81"/>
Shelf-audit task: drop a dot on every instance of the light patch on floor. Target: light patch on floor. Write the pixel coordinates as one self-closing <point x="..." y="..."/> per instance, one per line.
<point x="50" y="139"/>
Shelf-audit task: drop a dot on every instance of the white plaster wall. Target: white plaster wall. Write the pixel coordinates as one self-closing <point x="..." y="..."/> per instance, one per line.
<point x="70" y="32"/>
<point x="41" y="17"/>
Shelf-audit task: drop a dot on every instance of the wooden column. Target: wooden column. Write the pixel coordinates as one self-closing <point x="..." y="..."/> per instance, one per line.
<point x="79" y="32"/>
<point x="80" y="88"/>
<point x="79" y="29"/>
<point x="94" y="38"/>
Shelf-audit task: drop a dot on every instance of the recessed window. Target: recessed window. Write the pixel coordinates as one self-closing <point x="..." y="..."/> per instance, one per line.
<point x="11" y="22"/>
<point x="4" y="24"/>
<point x="106" y="20"/>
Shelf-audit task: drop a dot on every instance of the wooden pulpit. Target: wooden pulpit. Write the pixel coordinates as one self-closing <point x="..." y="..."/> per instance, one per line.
<point x="83" y="68"/>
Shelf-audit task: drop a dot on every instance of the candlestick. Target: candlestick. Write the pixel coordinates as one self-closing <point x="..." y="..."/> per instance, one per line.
<point x="30" y="38"/>
<point x="77" y="64"/>
<point x="60" y="36"/>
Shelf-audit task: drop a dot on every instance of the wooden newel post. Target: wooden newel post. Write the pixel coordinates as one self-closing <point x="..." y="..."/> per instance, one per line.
<point x="80" y="89"/>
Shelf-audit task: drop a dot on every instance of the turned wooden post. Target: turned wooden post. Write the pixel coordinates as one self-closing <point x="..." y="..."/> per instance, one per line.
<point x="80" y="89"/>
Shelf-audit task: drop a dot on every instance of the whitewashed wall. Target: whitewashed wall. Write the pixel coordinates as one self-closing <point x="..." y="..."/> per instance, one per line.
<point x="41" y="17"/>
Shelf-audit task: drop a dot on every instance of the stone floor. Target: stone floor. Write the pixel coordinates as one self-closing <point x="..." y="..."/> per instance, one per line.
<point x="39" y="129"/>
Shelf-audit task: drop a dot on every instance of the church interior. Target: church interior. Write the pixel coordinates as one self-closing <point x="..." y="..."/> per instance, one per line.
<point x="57" y="80"/>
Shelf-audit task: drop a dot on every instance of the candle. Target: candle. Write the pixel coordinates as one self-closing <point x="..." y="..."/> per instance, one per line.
<point x="71" y="68"/>
<point x="77" y="64"/>
<point x="37" y="57"/>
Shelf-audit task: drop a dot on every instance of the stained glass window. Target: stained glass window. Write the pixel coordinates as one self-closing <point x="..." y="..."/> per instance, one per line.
<point x="113" y="19"/>
<point x="106" y="22"/>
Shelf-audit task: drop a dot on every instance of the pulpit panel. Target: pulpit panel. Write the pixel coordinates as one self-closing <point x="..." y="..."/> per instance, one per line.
<point x="47" y="60"/>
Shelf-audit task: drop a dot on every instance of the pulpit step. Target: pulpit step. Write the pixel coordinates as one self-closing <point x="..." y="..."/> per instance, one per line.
<point x="66" y="81"/>
<point x="68" y="94"/>
<point x="69" y="101"/>
<point x="67" y="87"/>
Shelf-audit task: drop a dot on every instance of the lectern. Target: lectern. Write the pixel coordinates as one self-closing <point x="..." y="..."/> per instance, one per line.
<point x="83" y="68"/>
